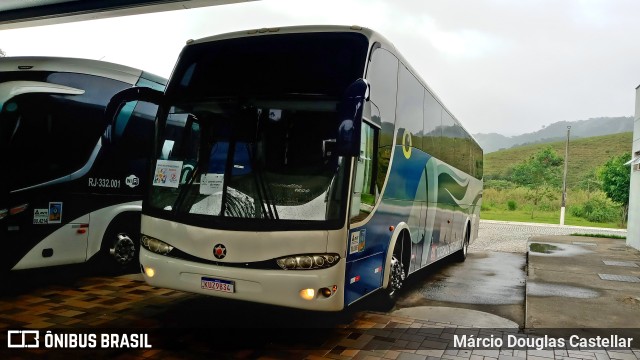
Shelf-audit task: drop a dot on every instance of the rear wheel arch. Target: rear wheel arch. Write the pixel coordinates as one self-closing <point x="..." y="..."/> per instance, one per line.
<point x="461" y="255"/>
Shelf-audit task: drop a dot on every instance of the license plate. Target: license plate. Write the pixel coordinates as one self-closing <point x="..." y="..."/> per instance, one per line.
<point x="217" y="284"/>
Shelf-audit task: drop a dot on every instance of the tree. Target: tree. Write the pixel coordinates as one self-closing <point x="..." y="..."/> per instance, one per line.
<point x="2" y="53"/>
<point x="590" y="182"/>
<point x="616" y="178"/>
<point x="540" y="174"/>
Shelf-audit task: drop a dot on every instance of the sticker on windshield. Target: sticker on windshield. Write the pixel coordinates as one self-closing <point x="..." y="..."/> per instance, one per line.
<point x="40" y="216"/>
<point x="55" y="212"/>
<point x="211" y="183"/>
<point x="167" y="173"/>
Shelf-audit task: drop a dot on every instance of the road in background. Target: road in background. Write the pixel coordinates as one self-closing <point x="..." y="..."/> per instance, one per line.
<point x="507" y="236"/>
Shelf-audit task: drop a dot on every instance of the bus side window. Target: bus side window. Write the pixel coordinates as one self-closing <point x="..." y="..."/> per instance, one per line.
<point x="365" y="192"/>
<point x="382" y="74"/>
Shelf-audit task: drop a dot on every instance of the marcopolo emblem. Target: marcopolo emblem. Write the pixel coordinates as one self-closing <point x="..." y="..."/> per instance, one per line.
<point x="219" y="251"/>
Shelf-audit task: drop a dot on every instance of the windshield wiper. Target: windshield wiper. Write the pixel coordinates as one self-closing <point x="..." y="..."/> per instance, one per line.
<point x="183" y="192"/>
<point x="263" y="190"/>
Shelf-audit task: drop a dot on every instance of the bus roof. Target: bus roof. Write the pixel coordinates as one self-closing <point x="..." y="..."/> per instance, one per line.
<point x="74" y="65"/>
<point x="291" y="30"/>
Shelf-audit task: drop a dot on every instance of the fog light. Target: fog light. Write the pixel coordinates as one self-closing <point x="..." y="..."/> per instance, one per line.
<point x="307" y="294"/>
<point x="149" y="271"/>
<point x="326" y="292"/>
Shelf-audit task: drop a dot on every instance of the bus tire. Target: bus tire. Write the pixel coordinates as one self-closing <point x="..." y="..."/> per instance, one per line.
<point x="397" y="270"/>
<point x="123" y="249"/>
<point x="120" y="245"/>
<point x="461" y="255"/>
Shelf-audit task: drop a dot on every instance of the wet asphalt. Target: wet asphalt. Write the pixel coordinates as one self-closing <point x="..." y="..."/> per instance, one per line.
<point x="582" y="282"/>
<point x="562" y="272"/>
<point x="492" y="282"/>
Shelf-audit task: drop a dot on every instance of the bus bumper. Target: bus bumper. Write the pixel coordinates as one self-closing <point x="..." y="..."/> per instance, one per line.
<point x="275" y="287"/>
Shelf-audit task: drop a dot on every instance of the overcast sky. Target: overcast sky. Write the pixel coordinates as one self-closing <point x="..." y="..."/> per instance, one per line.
<point x="506" y="66"/>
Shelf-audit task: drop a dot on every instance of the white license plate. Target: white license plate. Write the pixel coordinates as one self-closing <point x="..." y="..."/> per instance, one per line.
<point x="208" y="283"/>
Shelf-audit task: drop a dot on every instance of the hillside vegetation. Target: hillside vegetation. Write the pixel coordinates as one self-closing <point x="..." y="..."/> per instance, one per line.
<point x="557" y="132"/>
<point x="585" y="156"/>
<point x="524" y="183"/>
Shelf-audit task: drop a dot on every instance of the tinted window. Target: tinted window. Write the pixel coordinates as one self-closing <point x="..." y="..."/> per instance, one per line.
<point x="310" y="63"/>
<point x="463" y="149"/>
<point x="477" y="160"/>
<point x="448" y="140"/>
<point x="365" y="191"/>
<point x="432" y="125"/>
<point x="383" y="77"/>
<point x="54" y="135"/>
<point x="410" y="107"/>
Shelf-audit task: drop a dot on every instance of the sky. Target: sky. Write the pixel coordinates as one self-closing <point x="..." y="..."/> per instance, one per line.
<point x="505" y="66"/>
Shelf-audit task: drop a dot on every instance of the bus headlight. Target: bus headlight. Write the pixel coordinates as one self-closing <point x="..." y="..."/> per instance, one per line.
<point x="308" y="261"/>
<point x="155" y="245"/>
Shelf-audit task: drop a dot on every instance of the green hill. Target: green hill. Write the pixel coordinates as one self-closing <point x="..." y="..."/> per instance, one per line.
<point x="585" y="155"/>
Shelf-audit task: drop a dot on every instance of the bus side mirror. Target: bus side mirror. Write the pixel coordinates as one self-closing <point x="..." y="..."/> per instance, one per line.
<point x="350" y="118"/>
<point x="117" y="113"/>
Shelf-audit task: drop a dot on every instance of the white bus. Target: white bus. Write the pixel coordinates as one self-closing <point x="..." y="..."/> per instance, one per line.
<point x="305" y="167"/>
<point x="68" y="191"/>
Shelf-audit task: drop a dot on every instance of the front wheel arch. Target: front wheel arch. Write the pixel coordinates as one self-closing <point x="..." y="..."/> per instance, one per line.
<point x="399" y="230"/>
<point x="123" y="231"/>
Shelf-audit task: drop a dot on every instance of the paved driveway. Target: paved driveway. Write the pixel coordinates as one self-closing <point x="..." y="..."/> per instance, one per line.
<point x="64" y="300"/>
<point x="512" y="236"/>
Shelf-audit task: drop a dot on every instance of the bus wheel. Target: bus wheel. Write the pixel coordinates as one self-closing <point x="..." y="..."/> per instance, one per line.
<point x="119" y="251"/>
<point x="396" y="277"/>
<point x="397" y="271"/>
<point x="461" y="256"/>
<point x="387" y="298"/>
<point x="123" y="250"/>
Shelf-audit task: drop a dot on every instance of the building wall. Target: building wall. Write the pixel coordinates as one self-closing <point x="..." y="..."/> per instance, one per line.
<point x="633" y="227"/>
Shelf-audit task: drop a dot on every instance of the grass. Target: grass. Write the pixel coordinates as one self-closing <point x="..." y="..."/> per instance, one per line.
<point x="601" y="236"/>
<point x="503" y="202"/>
<point x="544" y="217"/>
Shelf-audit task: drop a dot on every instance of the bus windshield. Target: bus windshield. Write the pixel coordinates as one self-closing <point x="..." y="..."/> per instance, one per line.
<point x="267" y="160"/>
<point x="251" y="127"/>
